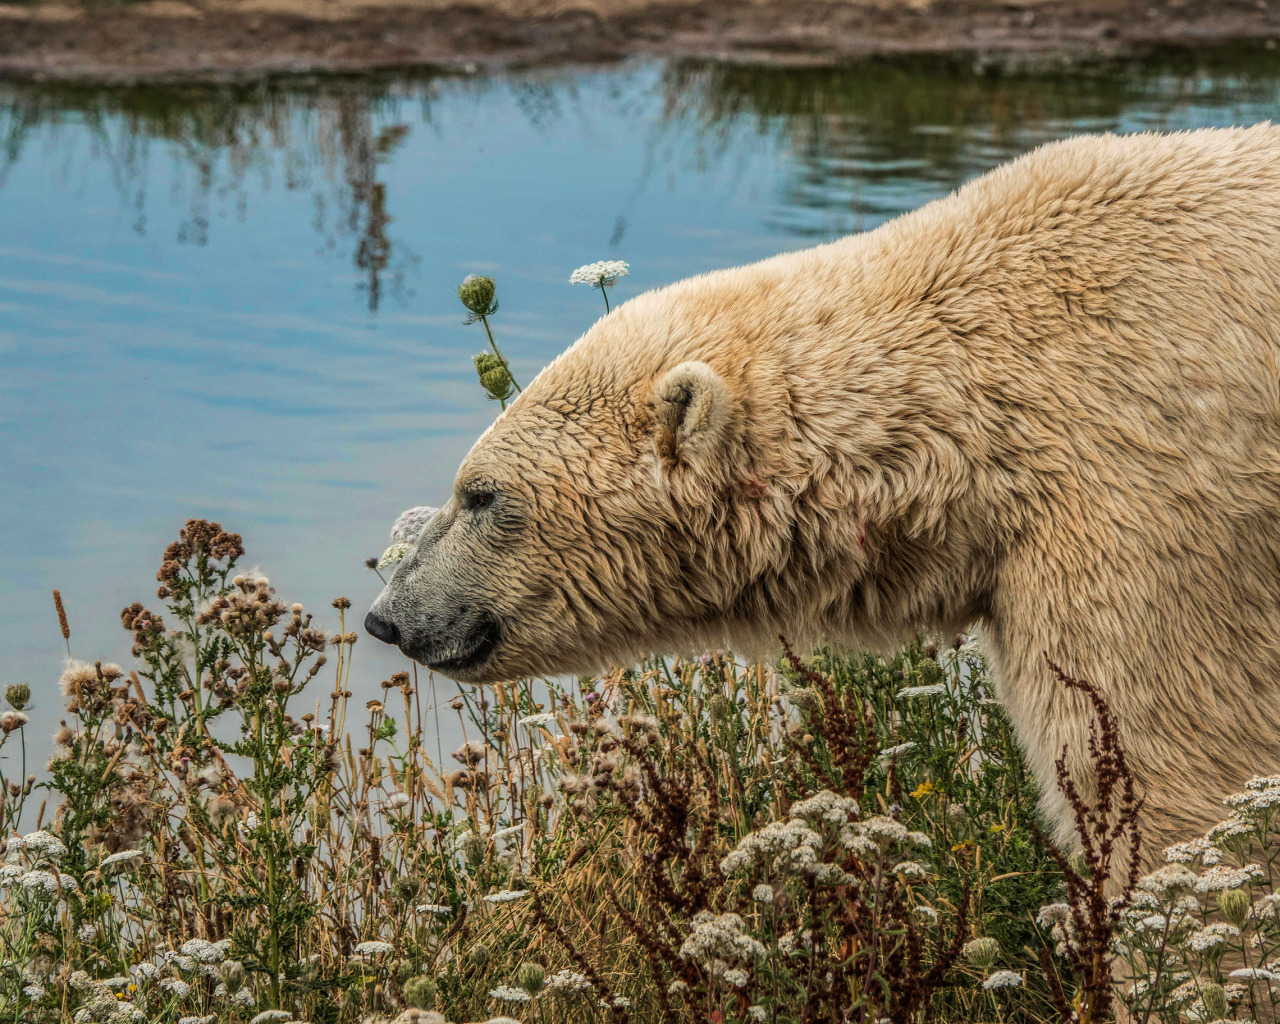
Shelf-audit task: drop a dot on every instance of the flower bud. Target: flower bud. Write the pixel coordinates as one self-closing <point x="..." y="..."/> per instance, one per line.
<point x="477" y="294"/>
<point x="233" y="976"/>
<point x="18" y="695"/>
<point x="420" y="992"/>
<point x="1215" y="1001"/>
<point x="1235" y="907"/>
<point x="495" y="376"/>
<point x="981" y="953"/>
<point x="478" y="955"/>
<point x="530" y="977"/>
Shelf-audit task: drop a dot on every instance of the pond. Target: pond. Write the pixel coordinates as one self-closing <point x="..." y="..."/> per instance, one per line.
<point x="237" y="302"/>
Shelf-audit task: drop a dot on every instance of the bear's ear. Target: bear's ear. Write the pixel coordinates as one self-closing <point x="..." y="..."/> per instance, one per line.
<point x="693" y="412"/>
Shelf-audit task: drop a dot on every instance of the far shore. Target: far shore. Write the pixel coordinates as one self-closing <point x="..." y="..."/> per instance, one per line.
<point x="240" y="39"/>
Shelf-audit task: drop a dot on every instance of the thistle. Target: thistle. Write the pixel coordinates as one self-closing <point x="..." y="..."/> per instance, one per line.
<point x="478" y="295"/>
<point x="601" y="274"/>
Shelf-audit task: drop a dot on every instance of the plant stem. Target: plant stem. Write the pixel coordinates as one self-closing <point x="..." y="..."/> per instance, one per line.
<point x="494" y="345"/>
<point x="606" y="297"/>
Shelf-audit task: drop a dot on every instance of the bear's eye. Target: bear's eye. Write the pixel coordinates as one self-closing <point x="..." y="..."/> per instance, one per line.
<point x="478" y="499"/>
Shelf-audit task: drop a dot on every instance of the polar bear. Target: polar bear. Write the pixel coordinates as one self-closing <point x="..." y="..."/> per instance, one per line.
<point x="1047" y="405"/>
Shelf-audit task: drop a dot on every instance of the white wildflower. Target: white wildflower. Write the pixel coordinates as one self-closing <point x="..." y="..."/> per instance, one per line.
<point x="34" y="992"/>
<point x="1222" y="877"/>
<point x="244" y="997"/>
<point x="211" y="1019"/>
<point x="720" y="935"/>
<point x="677" y="987"/>
<point x="1254" y="973"/>
<point x="394" y="555"/>
<point x="1002" y="979"/>
<point x="827" y="806"/>
<point x="1185" y="853"/>
<point x="911" y="869"/>
<point x="925" y="913"/>
<point x="434" y="908"/>
<point x="87" y="932"/>
<point x="203" y="950"/>
<point x="1212" y="936"/>
<point x="775" y="839"/>
<point x="508" y="994"/>
<point x="42" y="844"/>
<point x="411" y="523"/>
<point x="1168" y="879"/>
<point x="145" y="971"/>
<point x="600" y="274"/>
<point x="757" y="1012"/>
<point x="47" y="882"/>
<point x="1229" y="829"/>
<point x="568" y="981"/>
<point x="762" y="894"/>
<point x="537" y="721"/>
<point x="889" y="754"/>
<point x="506" y="895"/>
<point x="932" y="690"/>
<point x="267" y="1016"/>
<point x="508" y="832"/>
<point x="374" y="947"/>
<point x="120" y="858"/>
<point x="179" y="988"/>
<point x="737" y="977"/>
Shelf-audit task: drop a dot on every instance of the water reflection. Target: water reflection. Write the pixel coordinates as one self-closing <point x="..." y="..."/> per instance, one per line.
<point x="237" y="302"/>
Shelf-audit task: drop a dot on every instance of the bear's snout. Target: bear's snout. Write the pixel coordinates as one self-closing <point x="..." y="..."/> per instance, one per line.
<point x="381" y="629"/>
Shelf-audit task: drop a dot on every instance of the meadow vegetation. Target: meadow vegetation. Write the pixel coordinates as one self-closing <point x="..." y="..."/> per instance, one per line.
<point x="222" y="835"/>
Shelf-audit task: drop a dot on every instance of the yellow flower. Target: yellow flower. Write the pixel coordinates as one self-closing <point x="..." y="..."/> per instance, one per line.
<point x="962" y="847"/>
<point x="997" y="827"/>
<point x="923" y="790"/>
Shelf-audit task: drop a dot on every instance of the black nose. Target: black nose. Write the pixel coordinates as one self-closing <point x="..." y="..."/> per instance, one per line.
<point x="381" y="629"/>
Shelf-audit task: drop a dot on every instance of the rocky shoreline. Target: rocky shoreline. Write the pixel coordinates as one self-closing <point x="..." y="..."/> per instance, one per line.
<point x="212" y="39"/>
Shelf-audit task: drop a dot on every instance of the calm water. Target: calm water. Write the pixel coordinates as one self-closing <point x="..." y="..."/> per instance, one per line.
<point x="237" y="303"/>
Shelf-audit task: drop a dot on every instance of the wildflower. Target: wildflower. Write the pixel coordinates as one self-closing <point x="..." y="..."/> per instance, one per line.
<point x="46" y="882"/>
<point x="508" y="832"/>
<point x="145" y="971"/>
<point x="87" y="932"/>
<point x="506" y="895"/>
<point x="397" y="800"/>
<point x="502" y="1020"/>
<point x="1229" y="829"/>
<point x="677" y="986"/>
<point x="203" y="950"/>
<point x="1002" y="979"/>
<point x="179" y="988"/>
<point x="420" y="990"/>
<point x="1254" y="973"/>
<point x="267" y="1016"/>
<point x="34" y="992"/>
<point x="410" y="523"/>
<point x="569" y="981"/>
<point x="537" y="721"/>
<point x="981" y="952"/>
<point x="11" y="720"/>
<point x="621" y="1002"/>
<point x="433" y="908"/>
<point x="601" y="274"/>
<point x="737" y="977"/>
<point x="720" y="935"/>
<point x="508" y="994"/>
<point x="776" y="838"/>
<point x="1170" y="879"/>
<point x="120" y="858"/>
<point x="757" y="1012"/>
<point x="1053" y="914"/>
<point x="211" y="1019"/>
<point x="531" y="977"/>
<point x="1186" y="853"/>
<point x="911" y="869"/>
<point x="42" y="844"/>
<point x="1235" y="905"/>
<point x="762" y="894"/>
<point x="18" y="695"/>
<point x="478" y="294"/>
<point x="374" y="947"/>
<point x="394" y="555"/>
<point x="922" y="790"/>
<point x="827" y="806"/>
<point x="495" y="375"/>
<point x="925" y="913"/>
<point x="1212" y="936"/>
<point x="890" y="754"/>
<point x="1221" y="877"/>
<point x="932" y="690"/>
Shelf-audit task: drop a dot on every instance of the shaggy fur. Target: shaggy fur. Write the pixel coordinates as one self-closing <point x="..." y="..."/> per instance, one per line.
<point x="1048" y="405"/>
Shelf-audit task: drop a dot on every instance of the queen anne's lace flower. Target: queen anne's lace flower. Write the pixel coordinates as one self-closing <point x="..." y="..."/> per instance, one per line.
<point x="394" y="555"/>
<point x="1169" y="879"/>
<point x="538" y="720"/>
<point x="434" y="908"/>
<point x="892" y="753"/>
<point x="1222" y="877"/>
<point x="827" y="806"/>
<point x="1185" y="853"/>
<point x="411" y="523"/>
<point x="267" y="1016"/>
<point x="374" y="947"/>
<point x="41" y="844"/>
<point x="1002" y="979"/>
<point x="602" y="273"/>
<point x="203" y="950"/>
<point x="1212" y="936"/>
<point x="121" y="857"/>
<point x="568" y="981"/>
<point x="506" y="895"/>
<point x="508" y="994"/>
<point x="932" y="690"/>
<point x="721" y="936"/>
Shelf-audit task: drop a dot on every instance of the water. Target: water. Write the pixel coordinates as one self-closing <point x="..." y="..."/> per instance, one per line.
<point x="237" y="303"/>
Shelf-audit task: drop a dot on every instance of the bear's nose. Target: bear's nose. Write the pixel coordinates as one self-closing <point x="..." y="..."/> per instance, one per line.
<point x="381" y="629"/>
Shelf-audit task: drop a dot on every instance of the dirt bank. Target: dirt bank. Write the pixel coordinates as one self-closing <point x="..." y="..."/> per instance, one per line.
<point x="210" y="38"/>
